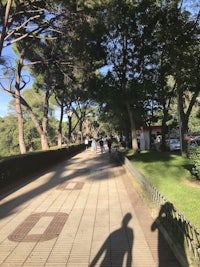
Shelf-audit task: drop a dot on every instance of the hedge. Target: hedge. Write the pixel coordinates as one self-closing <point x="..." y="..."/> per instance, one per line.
<point x="14" y="168"/>
<point x="194" y="155"/>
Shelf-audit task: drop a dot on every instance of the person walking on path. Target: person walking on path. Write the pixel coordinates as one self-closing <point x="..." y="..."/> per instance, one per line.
<point x="109" y="143"/>
<point x="86" y="143"/>
<point x="101" y="143"/>
<point x="94" y="145"/>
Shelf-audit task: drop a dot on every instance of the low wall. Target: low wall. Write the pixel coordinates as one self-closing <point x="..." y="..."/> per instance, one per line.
<point x="181" y="235"/>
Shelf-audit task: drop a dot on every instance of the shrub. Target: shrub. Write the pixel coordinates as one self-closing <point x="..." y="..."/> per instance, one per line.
<point x="194" y="155"/>
<point x="14" y="168"/>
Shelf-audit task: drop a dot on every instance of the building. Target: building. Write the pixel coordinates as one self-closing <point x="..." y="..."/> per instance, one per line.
<point x="147" y="133"/>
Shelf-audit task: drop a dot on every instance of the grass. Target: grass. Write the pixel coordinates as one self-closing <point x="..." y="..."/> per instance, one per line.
<point x="170" y="173"/>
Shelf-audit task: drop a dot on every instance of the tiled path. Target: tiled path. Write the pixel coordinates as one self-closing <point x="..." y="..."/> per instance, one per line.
<point x="82" y="212"/>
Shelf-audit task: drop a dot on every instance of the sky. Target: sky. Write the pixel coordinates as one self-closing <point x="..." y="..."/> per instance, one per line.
<point x="10" y="57"/>
<point x="4" y="98"/>
<point x="8" y="53"/>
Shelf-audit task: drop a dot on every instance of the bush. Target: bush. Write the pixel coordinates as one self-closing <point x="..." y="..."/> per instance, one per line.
<point x="14" y="168"/>
<point x="194" y="155"/>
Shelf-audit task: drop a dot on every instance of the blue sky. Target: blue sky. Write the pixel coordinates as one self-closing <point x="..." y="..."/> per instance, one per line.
<point x="10" y="57"/>
<point x="4" y="98"/>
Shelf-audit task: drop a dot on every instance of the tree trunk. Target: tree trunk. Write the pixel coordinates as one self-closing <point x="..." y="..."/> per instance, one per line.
<point x="5" y="24"/>
<point x="182" y="123"/>
<point x="133" y="128"/>
<point x="86" y="124"/>
<point x="184" y="118"/>
<point x="42" y="134"/>
<point x="69" y="127"/>
<point x="59" y="141"/>
<point x="20" y="119"/>
<point x="60" y="126"/>
<point x="44" y="139"/>
<point x="81" y="130"/>
<point x="180" y="117"/>
<point x="164" y="129"/>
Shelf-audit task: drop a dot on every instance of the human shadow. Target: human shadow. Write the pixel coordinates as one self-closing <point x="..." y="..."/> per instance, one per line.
<point x="117" y="247"/>
<point x="176" y="230"/>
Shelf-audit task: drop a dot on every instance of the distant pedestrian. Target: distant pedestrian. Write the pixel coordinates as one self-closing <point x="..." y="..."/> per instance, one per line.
<point x="86" y="143"/>
<point x="101" y="143"/>
<point x="94" y="145"/>
<point x="109" y="143"/>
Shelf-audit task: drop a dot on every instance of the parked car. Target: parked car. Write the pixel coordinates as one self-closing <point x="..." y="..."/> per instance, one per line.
<point x="193" y="143"/>
<point x="197" y="139"/>
<point x="173" y="144"/>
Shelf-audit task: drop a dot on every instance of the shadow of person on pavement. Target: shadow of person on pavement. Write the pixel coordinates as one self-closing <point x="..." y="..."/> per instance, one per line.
<point x="117" y="247"/>
<point x="175" y="230"/>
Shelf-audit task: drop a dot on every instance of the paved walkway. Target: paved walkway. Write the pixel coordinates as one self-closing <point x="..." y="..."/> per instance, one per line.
<point x="82" y="212"/>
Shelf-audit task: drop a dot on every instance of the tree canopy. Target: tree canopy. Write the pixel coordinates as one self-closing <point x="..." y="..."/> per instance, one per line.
<point x="149" y="49"/>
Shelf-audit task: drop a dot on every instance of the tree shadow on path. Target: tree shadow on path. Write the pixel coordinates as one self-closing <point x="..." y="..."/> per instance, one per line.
<point x="117" y="247"/>
<point x="175" y="231"/>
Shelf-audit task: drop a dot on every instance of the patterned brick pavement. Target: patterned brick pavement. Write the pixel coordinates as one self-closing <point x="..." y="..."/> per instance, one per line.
<point x="82" y="212"/>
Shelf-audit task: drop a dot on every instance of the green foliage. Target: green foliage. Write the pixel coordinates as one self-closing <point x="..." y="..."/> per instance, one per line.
<point x="9" y="126"/>
<point x="171" y="175"/>
<point x="9" y="136"/>
<point x="150" y="45"/>
<point x="14" y="168"/>
<point x="52" y="131"/>
<point x="35" y="100"/>
<point x="194" y="125"/>
<point x="194" y="155"/>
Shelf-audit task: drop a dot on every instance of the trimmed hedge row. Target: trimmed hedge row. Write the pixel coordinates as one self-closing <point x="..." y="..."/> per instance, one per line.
<point x="14" y="168"/>
<point x="194" y="155"/>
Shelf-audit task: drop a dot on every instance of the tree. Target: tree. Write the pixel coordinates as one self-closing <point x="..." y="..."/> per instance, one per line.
<point x="11" y="75"/>
<point x="18" y="88"/>
<point x="81" y="53"/>
<point x="176" y="41"/>
<point x="36" y="102"/>
<point x="193" y="123"/>
<point x="184" y="59"/>
<point x="26" y="20"/>
<point x="20" y="20"/>
<point x="128" y="41"/>
<point x="145" y="43"/>
<point x="9" y="136"/>
<point x="44" y="22"/>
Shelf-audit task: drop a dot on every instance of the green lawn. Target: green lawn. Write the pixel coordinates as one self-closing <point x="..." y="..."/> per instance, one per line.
<point x="170" y="173"/>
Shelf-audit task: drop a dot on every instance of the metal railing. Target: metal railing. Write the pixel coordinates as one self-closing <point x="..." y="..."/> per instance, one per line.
<point x="181" y="232"/>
